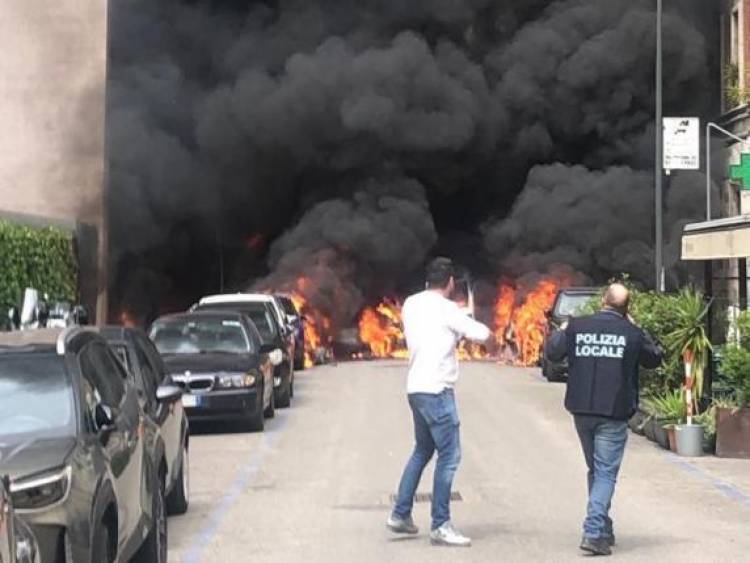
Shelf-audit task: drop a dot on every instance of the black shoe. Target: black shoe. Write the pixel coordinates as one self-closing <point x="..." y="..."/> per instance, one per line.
<point x="598" y="546"/>
<point x="610" y="540"/>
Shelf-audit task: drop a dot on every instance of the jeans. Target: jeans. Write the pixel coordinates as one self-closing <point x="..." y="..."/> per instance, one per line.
<point x="436" y="427"/>
<point x="603" y="442"/>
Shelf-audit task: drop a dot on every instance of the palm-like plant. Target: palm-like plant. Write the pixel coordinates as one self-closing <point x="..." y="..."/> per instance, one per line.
<point x="689" y="340"/>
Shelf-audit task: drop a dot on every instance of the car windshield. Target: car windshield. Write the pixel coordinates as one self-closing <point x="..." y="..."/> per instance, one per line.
<point x="36" y="396"/>
<point x="572" y="304"/>
<point x="259" y="313"/>
<point x="193" y="335"/>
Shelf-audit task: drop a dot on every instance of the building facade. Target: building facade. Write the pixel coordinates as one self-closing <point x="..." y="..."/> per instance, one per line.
<point x="52" y="104"/>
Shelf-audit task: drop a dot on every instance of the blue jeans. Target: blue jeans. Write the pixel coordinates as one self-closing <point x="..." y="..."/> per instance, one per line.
<point x="436" y="427"/>
<point x="603" y="441"/>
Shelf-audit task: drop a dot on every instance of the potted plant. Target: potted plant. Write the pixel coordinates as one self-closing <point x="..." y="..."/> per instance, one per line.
<point x="733" y="415"/>
<point x="690" y="341"/>
<point x="669" y="408"/>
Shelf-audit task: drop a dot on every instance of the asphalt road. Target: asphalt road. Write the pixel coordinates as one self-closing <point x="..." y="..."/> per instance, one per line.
<point x="316" y="486"/>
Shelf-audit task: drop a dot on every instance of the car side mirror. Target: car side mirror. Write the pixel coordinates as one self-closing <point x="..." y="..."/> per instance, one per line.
<point x="103" y="417"/>
<point x="168" y="393"/>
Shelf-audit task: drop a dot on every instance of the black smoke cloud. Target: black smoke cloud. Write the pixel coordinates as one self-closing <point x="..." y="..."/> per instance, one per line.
<point x="359" y="138"/>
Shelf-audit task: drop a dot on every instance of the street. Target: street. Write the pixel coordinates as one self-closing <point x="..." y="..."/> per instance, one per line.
<point x="316" y="486"/>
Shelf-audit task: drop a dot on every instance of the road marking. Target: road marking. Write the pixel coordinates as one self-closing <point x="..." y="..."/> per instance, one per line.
<point x="729" y="490"/>
<point x="203" y="539"/>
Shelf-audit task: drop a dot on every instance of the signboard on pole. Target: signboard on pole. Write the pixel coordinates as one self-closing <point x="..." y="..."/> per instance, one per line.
<point x="682" y="143"/>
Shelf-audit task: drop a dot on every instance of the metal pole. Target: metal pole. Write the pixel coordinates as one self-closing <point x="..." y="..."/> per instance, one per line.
<point x="659" y="147"/>
<point x="708" y="171"/>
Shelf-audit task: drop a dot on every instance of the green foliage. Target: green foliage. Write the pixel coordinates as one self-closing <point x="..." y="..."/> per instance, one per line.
<point x="669" y="405"/>
<point x="689" y="336"/>
<point x="40" y="258"/>
<point x="659" y="315"/>
<point x="735" y="365"/>
<point x="734" y="94"/>
<point x="742" y="326"/>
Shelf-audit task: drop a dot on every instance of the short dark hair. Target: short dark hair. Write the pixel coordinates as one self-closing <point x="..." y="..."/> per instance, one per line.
<point x="439" y="272"/>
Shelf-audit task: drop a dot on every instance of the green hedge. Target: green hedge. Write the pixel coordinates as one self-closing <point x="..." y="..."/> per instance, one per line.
<point x="40" y="258"/>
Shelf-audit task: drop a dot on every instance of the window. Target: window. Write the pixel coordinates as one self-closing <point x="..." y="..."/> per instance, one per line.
<point x="200" y="335"/>
<point x="104" y="373"/>
<point x="36" y="397"/>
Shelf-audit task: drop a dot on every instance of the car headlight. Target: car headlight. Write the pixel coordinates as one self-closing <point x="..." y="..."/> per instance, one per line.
<point x="41" y="491"/>
<point x="27" y="549"/>
<point x="236" y="380"/>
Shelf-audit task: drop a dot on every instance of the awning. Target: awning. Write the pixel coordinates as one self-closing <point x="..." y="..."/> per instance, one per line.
<point x="718" y="239"/>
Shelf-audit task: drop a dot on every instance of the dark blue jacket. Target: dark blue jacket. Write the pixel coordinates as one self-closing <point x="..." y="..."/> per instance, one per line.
<point x="604" y="351"/>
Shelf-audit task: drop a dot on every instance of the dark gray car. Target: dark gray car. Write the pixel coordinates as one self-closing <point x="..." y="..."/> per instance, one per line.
<point x="74" y="441"/>
<point x="171" y="440"/>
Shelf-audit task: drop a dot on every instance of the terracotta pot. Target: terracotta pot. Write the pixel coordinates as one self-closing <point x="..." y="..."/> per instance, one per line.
<point x="733" y="433"/>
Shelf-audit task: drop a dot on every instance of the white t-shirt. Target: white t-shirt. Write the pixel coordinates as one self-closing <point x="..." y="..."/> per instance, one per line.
<point x="433" y="326"/>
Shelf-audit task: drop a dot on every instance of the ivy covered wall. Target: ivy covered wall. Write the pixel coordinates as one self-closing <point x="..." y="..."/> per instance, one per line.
<point x="42" y="258"/>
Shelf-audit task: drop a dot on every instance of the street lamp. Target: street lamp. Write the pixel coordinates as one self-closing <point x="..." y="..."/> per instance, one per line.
<point x="710" y="125"/>
<point x="659" y="154"/>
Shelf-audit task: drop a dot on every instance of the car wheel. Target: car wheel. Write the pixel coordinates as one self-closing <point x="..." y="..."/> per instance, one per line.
<point x="256" y="422"/>
<point x="179" y="497"/>
<point x="102" y="548"/>
<point x="154" y="548"/>
<point x="284" y="393"/>
<point x="270" y="410"/>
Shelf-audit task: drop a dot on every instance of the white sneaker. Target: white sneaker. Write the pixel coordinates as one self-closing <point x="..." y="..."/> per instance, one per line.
<point x="448" y="535"/>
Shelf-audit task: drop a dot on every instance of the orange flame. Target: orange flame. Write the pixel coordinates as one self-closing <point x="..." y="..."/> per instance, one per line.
<point x="522" y="329"/>
<point x="381" y="329"/>
<point x="315" y="324"/>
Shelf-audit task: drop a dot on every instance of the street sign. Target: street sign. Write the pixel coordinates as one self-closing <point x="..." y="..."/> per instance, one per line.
<point x="741" y="172"/>
<point x="681" y="143"/>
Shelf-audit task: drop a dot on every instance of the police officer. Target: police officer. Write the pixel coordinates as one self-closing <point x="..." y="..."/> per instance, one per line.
<point x="604" y="351"/>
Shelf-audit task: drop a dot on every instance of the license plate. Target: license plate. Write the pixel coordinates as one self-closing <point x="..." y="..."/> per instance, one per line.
<point x="190" y="401"/>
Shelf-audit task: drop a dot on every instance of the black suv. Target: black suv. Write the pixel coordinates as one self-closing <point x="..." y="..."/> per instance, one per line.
<point x="73" y="439"/>
<point x="148" y="373"/>
<point x="219" y="360"/>
<point x="568" y="303"/>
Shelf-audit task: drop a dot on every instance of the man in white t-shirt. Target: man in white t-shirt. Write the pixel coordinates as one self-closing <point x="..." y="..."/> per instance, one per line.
<point x="434" y="325"/>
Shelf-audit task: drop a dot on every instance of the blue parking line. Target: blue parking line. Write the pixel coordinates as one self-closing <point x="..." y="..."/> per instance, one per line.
<point x="729" y="490"/>
<point x="203" y="539"/>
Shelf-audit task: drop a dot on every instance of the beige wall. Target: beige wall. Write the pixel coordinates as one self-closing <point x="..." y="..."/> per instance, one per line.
<point x="52" y="88"/>
<point x="52" y="75"/>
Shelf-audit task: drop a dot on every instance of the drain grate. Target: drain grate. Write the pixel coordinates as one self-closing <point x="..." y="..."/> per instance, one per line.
<point x="427" y="497"/>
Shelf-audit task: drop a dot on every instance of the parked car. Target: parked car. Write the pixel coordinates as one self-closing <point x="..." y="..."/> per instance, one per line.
<point x="221" y="363"/>
<point x="17" y="541"/>
<point x="147" y="372"/>
<point x="297" y="321"/>
<point x="568" y="303"/>
<point x="74" y="441"/>
<point x="272" y="336"/>
<point x="234" y="302"/>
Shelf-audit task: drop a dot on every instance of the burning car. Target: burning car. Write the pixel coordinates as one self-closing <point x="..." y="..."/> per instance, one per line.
<point x="568" y="303"/>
